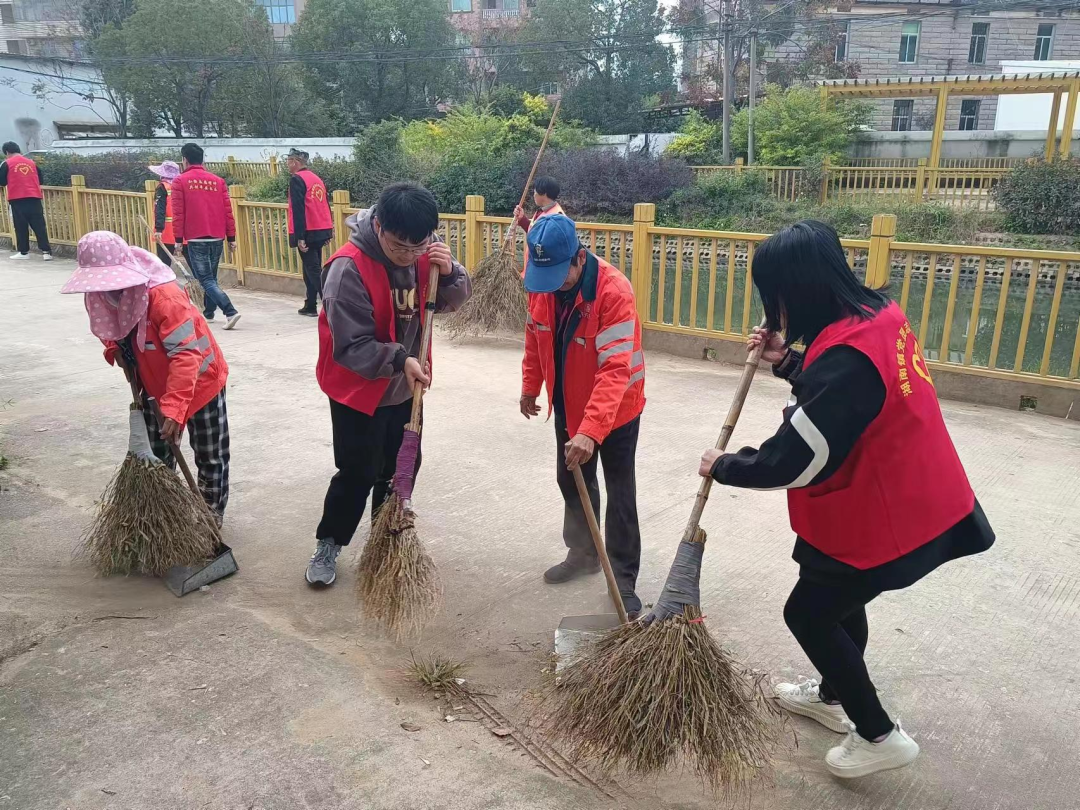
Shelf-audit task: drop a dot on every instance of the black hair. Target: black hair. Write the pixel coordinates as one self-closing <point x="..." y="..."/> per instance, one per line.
<point x="11" y="148"/>
<point x="548" y="186"/>
<point x="408" y="211"/>
<point x="192" y="153"/>
<point x="805" y="283"/>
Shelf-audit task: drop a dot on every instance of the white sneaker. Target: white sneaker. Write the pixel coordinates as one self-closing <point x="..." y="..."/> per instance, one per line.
<point x="804" y="698"/>
<point x="17" y="257"/>
<point x="856" y="756"/>
<point x="231" y="322"/>
<point x="46" y="257"/>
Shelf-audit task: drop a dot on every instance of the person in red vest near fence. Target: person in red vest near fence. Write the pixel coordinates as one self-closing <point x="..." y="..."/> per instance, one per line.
<point x="374" y="290"/>
<point x="583" y="344"/>
<point x="167" y="172"/>
<point x="545" y="196"/>
<point x="877" y="495"/>
<point x="23" y="180"/>
<point x="310" y="224"/>
<point x="202" y="221"/>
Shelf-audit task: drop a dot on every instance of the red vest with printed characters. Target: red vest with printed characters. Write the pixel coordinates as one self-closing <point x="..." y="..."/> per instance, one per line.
<point x="22" y="178"/>
<point x="346" y="386"/>
<point x="316" y="206"/>
<point x="903" y="484"/>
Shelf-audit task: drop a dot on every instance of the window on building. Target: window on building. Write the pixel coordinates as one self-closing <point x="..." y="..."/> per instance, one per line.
<point x="842" y="42"/>
<point x="969" y="114"/>
<point x="901" y="115"/>
<point x="980" y="32"/>
<point x="16" y="46"/>
<point x="461" y="5"/>
<point x="549" y="89"/>
<point x="280" y="12"/>
<point x="530" y="3"/>
<point x="7" y="16"/>
<point x="511" y="5"/>
<point x="490" y="5"/>
<point x="909" y="42"/>
<point x="1044" y="42"/>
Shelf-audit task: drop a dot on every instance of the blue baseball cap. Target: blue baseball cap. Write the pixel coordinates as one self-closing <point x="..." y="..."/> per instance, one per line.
<point x="552" y="244"/>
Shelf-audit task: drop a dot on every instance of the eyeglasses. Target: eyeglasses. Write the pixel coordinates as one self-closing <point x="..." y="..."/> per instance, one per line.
<point x="398" y="246"/>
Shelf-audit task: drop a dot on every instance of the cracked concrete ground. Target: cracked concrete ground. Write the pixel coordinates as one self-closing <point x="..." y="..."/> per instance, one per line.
<point x="263" y="694"/>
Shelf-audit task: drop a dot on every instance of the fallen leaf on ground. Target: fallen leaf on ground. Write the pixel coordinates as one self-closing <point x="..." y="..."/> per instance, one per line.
<point x="410" y="726"/>
<point x="502" y="732"/>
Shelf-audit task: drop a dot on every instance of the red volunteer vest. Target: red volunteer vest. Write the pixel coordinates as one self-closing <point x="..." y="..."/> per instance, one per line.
<point x="22" y="178"/>
<point x="903" y="484"/>
<point x="338" y="382"/>
<point x="167" y="235"/>
<point x="316" y="207"/>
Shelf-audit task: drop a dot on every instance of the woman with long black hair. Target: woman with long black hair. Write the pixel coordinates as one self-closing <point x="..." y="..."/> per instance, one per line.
<point x="877" y="495"/>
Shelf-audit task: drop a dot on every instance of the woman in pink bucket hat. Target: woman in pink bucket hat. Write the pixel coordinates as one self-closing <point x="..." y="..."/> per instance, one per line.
<point x="138" y="311"/>
<point x="167" y="171"/>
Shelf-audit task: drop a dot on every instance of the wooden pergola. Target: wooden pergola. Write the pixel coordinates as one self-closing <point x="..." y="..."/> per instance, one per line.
<point x="1060" y="83"/>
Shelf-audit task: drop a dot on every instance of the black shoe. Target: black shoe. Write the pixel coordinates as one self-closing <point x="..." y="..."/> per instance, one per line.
<point x="631" y="604"/>
<point x="571" y="568"/>
<point x="311" y="312"/>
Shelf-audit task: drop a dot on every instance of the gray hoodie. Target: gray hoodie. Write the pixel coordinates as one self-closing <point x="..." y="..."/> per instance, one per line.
<point x="351" y="317"/>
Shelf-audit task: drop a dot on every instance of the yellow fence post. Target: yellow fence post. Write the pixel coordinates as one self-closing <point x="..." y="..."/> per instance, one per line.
<point x="273" y="166"/>
<point x="641" y="258"/>
<point x="920" y="180"/>
<point x="474" y="232"/>
<point x="739" y="163"/>
<point x="824" y="172"/>
<point x="341" y="201"/>
<point x="882" y="233"/>
<point x="151" y="190"/>
<point x="231" y="161"/>
<point x="78" y="203"/>
<point x="242" y="253"/>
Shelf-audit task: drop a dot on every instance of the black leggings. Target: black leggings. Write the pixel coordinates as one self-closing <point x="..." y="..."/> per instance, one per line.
<point x="829" y="623"/>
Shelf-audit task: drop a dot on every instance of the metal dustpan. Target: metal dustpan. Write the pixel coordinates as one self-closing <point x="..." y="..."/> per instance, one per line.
<point x="575" y="634"/>
<point x="183" y="579"/>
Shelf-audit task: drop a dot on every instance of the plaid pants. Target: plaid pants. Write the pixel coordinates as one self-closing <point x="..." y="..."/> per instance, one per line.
<point x="208" y="431"/>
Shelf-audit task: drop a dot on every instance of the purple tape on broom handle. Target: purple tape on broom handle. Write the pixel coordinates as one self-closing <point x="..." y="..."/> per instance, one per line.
<point x="405" y="474"/>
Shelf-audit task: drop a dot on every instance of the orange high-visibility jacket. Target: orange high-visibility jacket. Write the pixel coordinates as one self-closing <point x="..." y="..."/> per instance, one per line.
<point x="603" y="367"/>
<point x="180" y="365"/>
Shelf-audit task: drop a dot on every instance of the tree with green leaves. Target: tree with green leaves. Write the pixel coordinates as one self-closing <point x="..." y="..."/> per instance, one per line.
<point x="613" y="60"/>
<point x="388" y="57"/>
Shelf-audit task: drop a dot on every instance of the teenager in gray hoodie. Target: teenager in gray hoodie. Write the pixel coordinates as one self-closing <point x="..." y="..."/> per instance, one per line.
<point x="369" y="352"/>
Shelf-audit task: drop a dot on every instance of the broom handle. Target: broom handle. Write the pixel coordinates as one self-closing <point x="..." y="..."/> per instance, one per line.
<point x="425" y="345"/>
<point x="749" y="368"/>
<point x="598" y="541"/>
<point x="532" y="172"/>
<point x="184" y="269"/>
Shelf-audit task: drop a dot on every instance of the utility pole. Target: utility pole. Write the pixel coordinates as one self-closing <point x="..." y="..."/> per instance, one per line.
<point x="725" y="28"/>
<point x="753" y="91"/>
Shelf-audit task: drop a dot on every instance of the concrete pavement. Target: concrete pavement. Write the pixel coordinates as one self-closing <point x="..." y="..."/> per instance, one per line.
<point x="263" y="694"/>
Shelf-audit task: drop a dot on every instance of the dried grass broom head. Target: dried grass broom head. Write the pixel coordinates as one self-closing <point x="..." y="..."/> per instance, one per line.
<point x="148" y="520"/>
<point x="498" y="303"/>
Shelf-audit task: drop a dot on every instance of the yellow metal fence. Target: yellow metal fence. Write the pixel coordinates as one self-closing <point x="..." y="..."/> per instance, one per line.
<point x="991" y="311"/>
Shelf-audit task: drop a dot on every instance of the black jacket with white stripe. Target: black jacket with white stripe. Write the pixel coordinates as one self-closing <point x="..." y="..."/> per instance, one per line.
<point x="832" y="403"/>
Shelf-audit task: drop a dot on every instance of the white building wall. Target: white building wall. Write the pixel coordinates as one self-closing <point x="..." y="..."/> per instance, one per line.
<point x="1032" y="111"/>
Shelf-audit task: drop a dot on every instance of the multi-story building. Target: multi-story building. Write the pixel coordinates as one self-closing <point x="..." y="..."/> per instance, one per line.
<point x="283" y="14"/>
<point x="933" y="38"/>
<point x="43" y="28"/>
<point x="477" y="16"/>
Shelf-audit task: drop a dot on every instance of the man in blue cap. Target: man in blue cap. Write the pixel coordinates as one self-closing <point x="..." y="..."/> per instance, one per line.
<point x="583" y="344"/>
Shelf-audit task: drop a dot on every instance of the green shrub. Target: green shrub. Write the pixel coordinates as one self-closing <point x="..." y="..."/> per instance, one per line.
<point x="1042" y="198"/>
<point x="113" y="171"/>
<point x="722" y="200"/>
<point x="490" y="176"/>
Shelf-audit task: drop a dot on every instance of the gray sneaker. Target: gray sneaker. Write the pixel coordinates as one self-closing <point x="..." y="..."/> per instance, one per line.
<point x="322" y="570"/>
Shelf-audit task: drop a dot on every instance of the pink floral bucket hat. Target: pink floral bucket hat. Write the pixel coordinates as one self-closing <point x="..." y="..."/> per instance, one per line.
<point x="115" y="280"/>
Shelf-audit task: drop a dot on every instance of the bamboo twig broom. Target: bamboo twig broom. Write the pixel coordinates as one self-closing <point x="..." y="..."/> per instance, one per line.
<point x="653" y="693"/>
<point x="148" y="520"/>
<point x="396" y="577"/>
<point x="498" y="302"/>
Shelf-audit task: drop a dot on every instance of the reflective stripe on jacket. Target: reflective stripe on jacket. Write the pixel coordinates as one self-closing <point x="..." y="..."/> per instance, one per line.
<point x="180" y="364"/>
<point x="604" y="367"/>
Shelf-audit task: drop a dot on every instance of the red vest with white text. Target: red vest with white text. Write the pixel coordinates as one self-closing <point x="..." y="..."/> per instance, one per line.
<point x="22" y="178"/>
<point x="903" y="484"/>
<point x="338" y="382"/>
<point x="167" y="235"/>
<point x="316" y="207"/>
